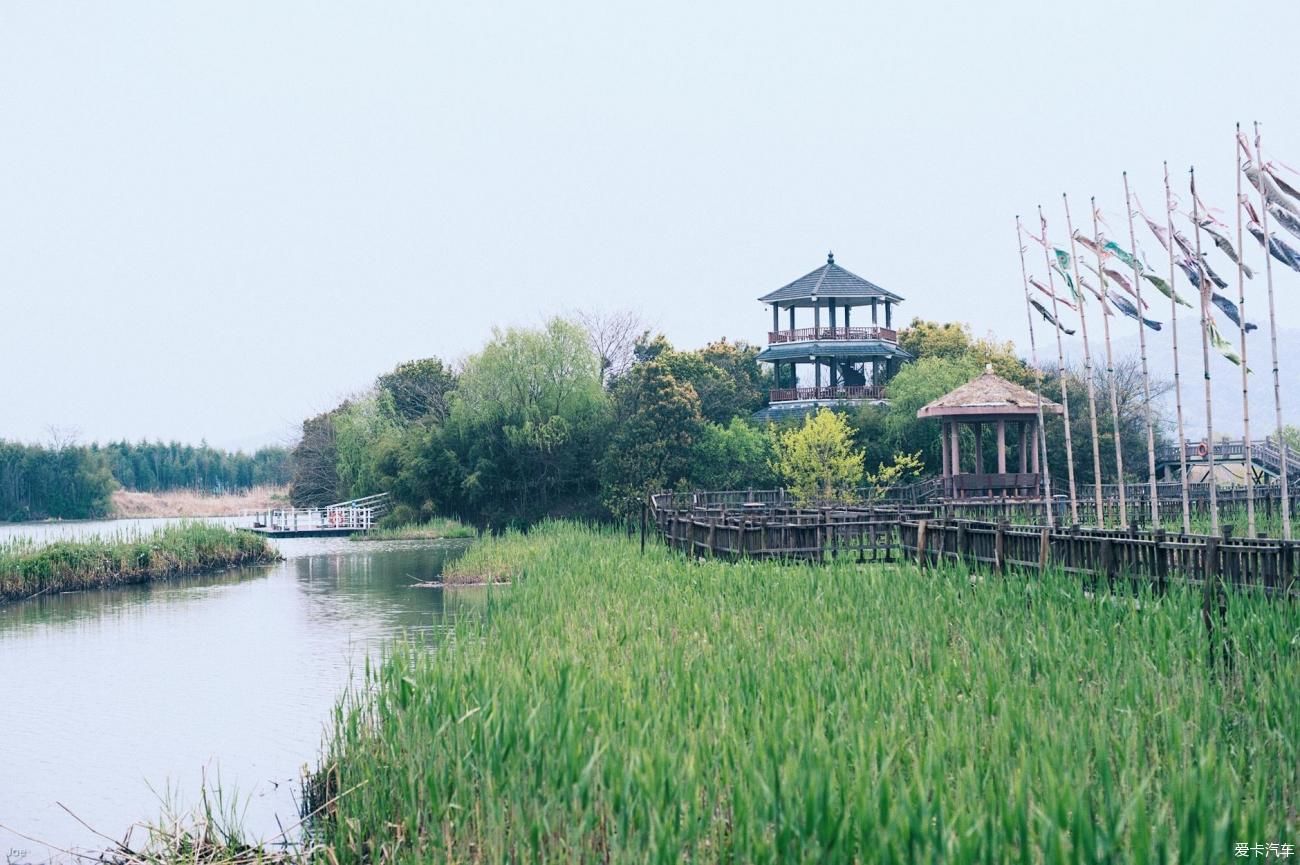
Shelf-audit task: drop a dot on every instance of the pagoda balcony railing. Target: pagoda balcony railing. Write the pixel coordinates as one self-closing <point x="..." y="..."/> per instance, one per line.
<point x="802" y="334"/>
<point x="842" y="391"/>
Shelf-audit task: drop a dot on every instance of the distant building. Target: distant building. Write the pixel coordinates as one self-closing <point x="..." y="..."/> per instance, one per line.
<point x="830" y="361"/>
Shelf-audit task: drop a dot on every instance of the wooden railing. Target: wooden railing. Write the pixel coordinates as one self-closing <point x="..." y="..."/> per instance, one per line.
<point x="358" y="515"/>
<point x="754" y="525"/>
<point x="802" y="334"/>
<point x="850" y="391"/>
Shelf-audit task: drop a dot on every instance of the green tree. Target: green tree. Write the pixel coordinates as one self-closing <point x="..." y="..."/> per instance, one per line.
<point x="419" y="389"/>
<point x="657" y="419"/>
<point x="915" y="385"/>
<point x="358" y="430"/>
<point x="733" y="457"/>
<point x="818" y="460"/>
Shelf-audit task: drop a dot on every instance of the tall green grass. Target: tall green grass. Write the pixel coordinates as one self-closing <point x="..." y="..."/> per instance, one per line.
<point x="28" y="569"/>
<point x="616" y="707"/>
<point x="437" y="528"/>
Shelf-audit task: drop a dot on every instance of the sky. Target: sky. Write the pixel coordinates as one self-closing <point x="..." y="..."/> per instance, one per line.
<point x="219" y="218"/>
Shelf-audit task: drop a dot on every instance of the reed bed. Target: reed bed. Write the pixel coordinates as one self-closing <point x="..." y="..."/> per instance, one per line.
<point x="617" y="707"/>
<point x="28" y="568"/>
<point x="438" y="528"/>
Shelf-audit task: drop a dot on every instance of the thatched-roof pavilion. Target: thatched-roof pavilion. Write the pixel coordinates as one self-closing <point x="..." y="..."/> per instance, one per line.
<point x="990" y="399"/>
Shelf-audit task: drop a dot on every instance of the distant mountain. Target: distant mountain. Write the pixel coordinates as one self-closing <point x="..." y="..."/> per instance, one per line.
<point x="1225" y="377"/>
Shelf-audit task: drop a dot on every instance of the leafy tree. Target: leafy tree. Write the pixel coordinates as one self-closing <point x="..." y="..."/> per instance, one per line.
<point x="904" y="468"/>
<point x="818" y="460"/>
<point x="358" y="430"/>
<point x="733" y="457"/>
<point x="315" y="463"/>
<point x="419" y="389"/>
<point x="528" y="423"/>
<point x="921" y="339"/>
<point x="657" y="421"/>
<point x="915" y="385"/>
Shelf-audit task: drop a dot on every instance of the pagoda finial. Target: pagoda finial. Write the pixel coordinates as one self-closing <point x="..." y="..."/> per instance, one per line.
<point x="830" y="258"/>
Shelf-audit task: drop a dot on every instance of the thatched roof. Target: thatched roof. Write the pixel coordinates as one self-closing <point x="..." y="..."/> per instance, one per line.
<point x="990" y="395"/>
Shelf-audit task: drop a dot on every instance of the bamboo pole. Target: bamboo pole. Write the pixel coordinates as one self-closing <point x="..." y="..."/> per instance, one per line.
<point x="1038" y="378"/>
<point x="1173" y="333"/>
<point x="1060" y="375"/>
<point x="1146" y="377"/>
<point x="1087" y="371"/>
<point x="1272" y="327"/>
<point x="1204" y="289"/>
<point x="1110" y="370"/>
<point x="1245" y="368"/>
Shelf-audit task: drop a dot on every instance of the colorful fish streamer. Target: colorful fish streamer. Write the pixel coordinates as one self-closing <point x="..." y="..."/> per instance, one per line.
<point x="1047" y="291"/>
<point x="1047" y="316"/>
<point x="1230" y="310"/>
<point x="1126" y="306"/>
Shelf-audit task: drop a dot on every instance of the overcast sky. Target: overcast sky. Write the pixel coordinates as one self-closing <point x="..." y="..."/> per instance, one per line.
<point x="217" y="218"/>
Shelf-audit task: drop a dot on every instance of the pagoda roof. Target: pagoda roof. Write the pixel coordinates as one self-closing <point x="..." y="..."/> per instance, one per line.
<point x="828" y="281"/>
<point x="988" y="395"/>
<point x="839" y="348"/>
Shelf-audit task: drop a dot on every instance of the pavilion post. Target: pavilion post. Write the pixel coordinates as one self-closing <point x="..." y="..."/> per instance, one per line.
<point x="943" y="446"/>
<point x="1002" y="446"/>
<point x="979" y="447"/>
<point x="776" y="317"/>
<point x="1033" y="451"/>
<point x="956" y="448"/>
<point x="847" y="310"/>
<point x="792" y="319"/>
<point x="889" y="321"/>
<point x="1024" y="444"/>
<point x="874" y="319"/>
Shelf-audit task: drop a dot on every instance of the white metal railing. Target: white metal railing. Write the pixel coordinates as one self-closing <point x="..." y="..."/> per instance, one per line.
<point x="358" y="515"/>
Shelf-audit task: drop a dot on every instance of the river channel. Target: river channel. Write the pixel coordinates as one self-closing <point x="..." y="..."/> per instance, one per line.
<point x="114" y="702"/>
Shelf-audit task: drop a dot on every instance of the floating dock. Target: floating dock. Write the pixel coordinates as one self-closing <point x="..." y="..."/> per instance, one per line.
<point x="336" y="520"/>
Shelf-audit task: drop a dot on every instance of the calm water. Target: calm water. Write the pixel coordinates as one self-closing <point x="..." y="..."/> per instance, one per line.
<point x="108" y="700"/>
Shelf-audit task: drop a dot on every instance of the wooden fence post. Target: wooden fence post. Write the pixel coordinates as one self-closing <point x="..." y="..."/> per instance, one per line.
<point x="1044" y="549"/>
<point x="1161" y="562"/>
<point x="920" y="544"/>
<point x="644" y="507"/>
<point x="1000" y="547"/>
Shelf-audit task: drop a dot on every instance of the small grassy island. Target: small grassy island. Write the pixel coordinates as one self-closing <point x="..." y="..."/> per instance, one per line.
<point x="438" y="528"/>
<point x="28" y="569"/>
<point x="611" y="706"/>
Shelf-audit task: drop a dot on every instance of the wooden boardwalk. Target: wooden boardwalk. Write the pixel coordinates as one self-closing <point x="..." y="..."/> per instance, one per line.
<point x="767" y="526"/>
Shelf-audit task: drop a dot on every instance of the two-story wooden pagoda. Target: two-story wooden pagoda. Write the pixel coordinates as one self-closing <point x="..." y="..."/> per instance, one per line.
<point x="832" y="362"/>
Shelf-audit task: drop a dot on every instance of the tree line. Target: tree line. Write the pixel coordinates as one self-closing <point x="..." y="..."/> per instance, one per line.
<point x="582" y="417"/>
<point x="68" y="481"/>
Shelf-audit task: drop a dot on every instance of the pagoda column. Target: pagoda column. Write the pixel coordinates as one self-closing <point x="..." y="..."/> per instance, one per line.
<point x="943" y="447"/>
<point x="792" y="317"/>
<point x="979" y="446"/>
<point x="957" y="448"/>
<point x="888" y="316"/>
<point x="873" y="311"/>
<point x="847" y="310"/>
<point x="1002" y="446"/>
<point x="776" y="317"/>
<point x="817" y="319"/>
<point x="1024" y="447"/>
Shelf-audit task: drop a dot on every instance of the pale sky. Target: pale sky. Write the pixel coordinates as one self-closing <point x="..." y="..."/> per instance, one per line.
<point x="217" y="218"/>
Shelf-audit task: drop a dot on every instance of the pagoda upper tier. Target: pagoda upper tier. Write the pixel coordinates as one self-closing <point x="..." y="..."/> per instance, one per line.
<point x="832" y="359"/>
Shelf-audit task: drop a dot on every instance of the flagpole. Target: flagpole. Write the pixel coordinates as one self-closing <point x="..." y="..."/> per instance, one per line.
<point x="1087" y="369"/>
<point x="1060" y="375"/>
<point x="1038" y="375"/>
<point x="1204" y="289"/>
<point x="1146" y="377"/>
<point x="1173" y="333"/>
<point x="1245" y="368"/>
<point x="1110" y="371"/>
<point x="1272" y="326"/>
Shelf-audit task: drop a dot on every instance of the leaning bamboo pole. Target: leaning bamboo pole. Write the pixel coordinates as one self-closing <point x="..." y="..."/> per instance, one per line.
<point x="1146" y="376"/>
<point x="1087" y="371"/>
<point x="1272" y="328"/>
<point x="1245" y="369"/>
<point x="1038" y="380"/>
<point x="1173" y="335"/>
<point x="1110" y="369"/>
<point x="1204" y="289"/>
<point x="1060" y="374"/>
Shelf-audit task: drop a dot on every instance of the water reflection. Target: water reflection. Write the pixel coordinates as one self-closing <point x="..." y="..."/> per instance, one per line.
<point x="109" y="696"/>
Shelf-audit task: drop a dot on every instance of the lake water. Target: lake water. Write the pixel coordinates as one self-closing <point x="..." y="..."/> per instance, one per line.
<point x="113" y="701"/>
